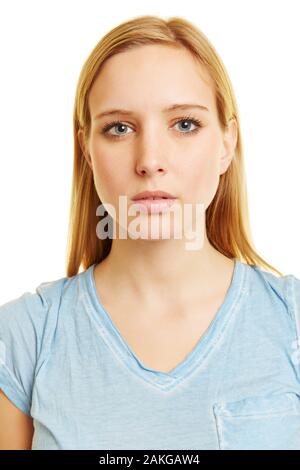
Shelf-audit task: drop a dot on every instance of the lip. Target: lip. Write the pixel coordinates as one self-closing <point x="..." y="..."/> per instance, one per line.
<point x="154" y="206"/>
<point x="151" y="194"/>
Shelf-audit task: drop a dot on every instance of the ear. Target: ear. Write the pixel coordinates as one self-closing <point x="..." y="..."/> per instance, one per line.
<point x="82" y="143"/>
<point x="229" y="145"/>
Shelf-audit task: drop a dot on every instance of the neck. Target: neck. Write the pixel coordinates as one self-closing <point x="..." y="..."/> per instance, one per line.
<point x="163" y="271"/>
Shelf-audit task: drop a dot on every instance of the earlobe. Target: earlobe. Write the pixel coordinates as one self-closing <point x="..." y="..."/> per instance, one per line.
<point x="225" y="163"/>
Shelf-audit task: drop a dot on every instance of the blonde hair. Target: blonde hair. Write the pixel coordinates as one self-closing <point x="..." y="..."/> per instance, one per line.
<point x="227" y="217"/>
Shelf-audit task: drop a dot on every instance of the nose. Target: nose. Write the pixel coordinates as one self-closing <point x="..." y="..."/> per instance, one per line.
<point x="149" y="168"/>
<point x="150" y="159"/>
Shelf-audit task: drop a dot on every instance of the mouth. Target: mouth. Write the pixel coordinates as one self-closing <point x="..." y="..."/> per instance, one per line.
<point x="152" y="198"/>
<point x="153" y="195"/>
<point x="154" y="205"/>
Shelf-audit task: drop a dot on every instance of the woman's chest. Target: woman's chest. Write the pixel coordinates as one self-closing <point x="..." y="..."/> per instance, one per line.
<point x="87" y="396"/>
<point x="162" y="341"/>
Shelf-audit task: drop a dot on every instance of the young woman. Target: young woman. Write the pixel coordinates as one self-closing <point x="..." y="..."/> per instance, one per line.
<point x="154" y="345"/>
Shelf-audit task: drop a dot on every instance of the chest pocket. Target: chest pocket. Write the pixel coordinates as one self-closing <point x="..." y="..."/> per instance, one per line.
<point x="259" y="422"/>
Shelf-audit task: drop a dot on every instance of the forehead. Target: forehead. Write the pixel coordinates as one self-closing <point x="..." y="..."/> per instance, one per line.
<point x="150" y="77"/>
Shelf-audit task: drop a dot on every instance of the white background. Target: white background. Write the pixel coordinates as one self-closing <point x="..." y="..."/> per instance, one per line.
<point x="43" y="48"/>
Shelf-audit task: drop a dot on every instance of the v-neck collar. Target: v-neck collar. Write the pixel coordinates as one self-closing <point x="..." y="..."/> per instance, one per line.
<point x="205" y="345"/>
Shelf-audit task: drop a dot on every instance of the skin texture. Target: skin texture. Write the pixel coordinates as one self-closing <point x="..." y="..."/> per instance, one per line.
<point x="155" y="151"/>
<point x="16" y="429"/>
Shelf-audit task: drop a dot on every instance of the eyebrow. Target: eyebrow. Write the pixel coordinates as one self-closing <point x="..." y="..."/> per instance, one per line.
<point x="167" y="109"/>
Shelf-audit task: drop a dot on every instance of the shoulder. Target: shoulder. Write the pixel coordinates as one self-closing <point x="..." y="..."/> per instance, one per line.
<point x="31" y="305"/>
<point x="279" y="289"/>
<point x="269" y="280"/>
<point x="278" y="299"/>
<point x="47" y="295"/>
<point x="27" y="326"/>
<point x="32" y="317"/>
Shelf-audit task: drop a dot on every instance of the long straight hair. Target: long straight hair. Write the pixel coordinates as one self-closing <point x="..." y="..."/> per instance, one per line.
<point x="227" y="217"/>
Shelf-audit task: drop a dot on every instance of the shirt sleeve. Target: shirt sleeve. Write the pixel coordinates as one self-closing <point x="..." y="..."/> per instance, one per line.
<point x="21" y="327"/>
<point x="294" y="294"/>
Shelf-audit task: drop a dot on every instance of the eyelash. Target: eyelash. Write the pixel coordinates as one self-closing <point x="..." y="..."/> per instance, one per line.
<point x="194" y="120"/>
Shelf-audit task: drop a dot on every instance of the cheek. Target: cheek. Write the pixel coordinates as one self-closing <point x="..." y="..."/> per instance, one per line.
<point x="109" y="177"/>
<point x="202" y="175"/>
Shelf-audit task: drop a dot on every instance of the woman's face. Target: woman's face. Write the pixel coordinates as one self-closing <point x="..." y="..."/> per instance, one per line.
<point x="152" y="148"/>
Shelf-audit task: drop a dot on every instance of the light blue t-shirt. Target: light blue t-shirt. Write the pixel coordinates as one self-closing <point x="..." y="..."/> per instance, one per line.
<point x="64" y="362"/>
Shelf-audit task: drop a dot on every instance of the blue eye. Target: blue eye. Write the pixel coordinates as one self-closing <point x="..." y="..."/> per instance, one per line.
<point x="190" y="121"/>
<point x="118" y="124"/>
